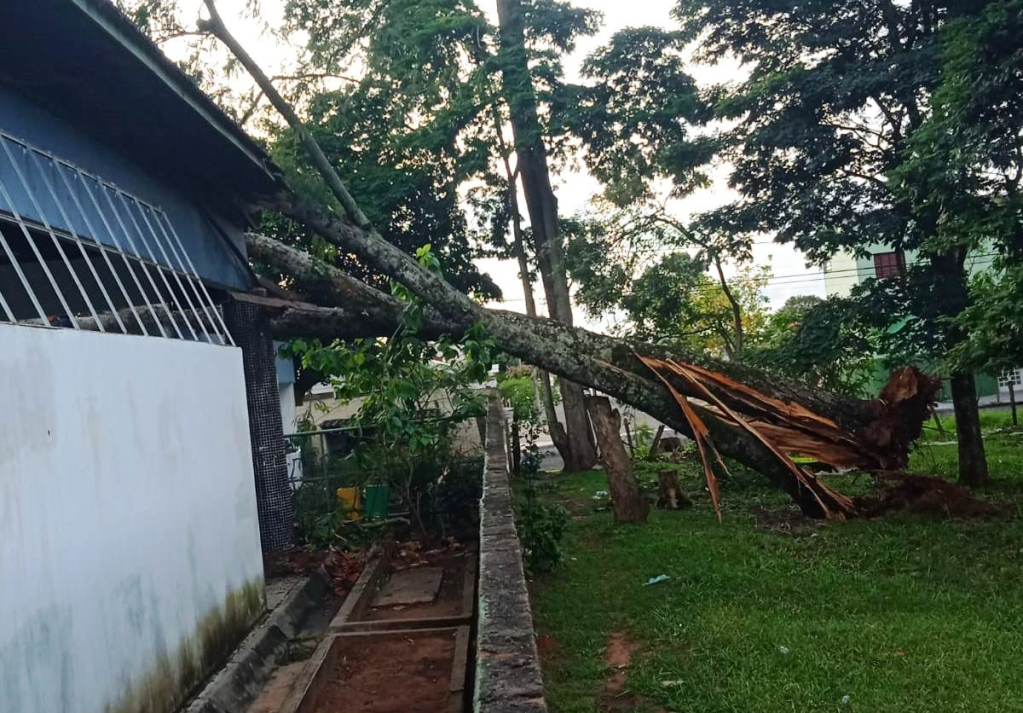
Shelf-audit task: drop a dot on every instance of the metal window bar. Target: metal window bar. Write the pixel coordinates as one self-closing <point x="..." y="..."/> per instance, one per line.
<point x="24" y="282"/>
<point x="156" y="238"/>
<point x="209" y="308"/>
<point x="81" y="247"/>
<point x="35" y="251"/>
<point x="160" y="300"/>
<point x="195" y="276"/>
<point x="160" y="270"/>
<point x="89" y="226"/>
<point x="178" y="261"/>
<point x="57" y="243"/>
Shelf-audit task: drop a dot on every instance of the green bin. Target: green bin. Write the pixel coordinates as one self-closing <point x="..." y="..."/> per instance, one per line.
<point x="376" y="504"/>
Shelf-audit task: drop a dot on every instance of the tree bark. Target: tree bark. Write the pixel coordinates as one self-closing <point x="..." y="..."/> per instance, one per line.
<point x="972" y="460"/>
<point x="542" y="205"/>
<point x="740" y="334"/>
<point x="656" y="443"/>
<point x="627" y="500"/>
<point x="950" y="272"/>
<point x="557" y="431"/>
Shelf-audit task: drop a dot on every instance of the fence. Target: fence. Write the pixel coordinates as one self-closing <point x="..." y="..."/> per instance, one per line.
<point x="444" y="485"/>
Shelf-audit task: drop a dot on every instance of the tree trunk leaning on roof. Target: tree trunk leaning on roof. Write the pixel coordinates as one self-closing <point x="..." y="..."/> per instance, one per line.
<point x="542" y="206"/>
<point x="874" y="435"/>
<point x="758" y="427"/>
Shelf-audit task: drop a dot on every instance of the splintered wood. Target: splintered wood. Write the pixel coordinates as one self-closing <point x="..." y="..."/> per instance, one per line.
<point x="788" y="429"/>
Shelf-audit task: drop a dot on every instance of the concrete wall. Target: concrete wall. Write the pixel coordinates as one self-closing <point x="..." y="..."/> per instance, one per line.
<point x="508" y="675"/>
<point x="129" y="544"/>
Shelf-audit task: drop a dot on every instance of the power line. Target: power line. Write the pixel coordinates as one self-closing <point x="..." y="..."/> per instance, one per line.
<point x="796" y="278"/>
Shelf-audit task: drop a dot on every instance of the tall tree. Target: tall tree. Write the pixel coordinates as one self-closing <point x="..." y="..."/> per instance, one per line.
<point x="667" y="282"/>
<point x="823" y="134"/>
<point x="542" y="206"/>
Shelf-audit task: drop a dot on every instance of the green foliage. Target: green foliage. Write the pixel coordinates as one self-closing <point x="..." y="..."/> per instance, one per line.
<point x="618" y="263"/>
<point x="818" y="341"/>
<point x="518" y="390"/>
<point x="413" y="394"/>
<point x="994" y="330"/>
<point x="415" y="134"/>
<point x="636" y="118"/>
<point x="878" y="125"/>
<point x="541" y="525"/>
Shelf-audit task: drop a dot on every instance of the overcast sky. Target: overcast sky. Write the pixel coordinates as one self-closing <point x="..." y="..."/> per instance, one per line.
<point x="575" y="188"/>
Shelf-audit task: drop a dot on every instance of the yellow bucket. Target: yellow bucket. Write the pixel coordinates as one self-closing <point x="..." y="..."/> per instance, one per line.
<point x="351" y="500"/>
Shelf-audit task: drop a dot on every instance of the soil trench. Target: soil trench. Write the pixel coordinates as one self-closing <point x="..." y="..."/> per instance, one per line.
<point x="395" y="675"/>
<point x="400" y="653"/>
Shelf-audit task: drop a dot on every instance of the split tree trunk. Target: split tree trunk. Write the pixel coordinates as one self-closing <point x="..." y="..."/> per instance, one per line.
<point x="627" y="500"/>
<point x="875" y="434"/>
<point x="972" y="460"/>
<point x="542" y="205"/>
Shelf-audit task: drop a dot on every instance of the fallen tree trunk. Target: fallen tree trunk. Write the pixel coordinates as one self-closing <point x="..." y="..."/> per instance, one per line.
<point x="616" y="368"/>
<point x="872" y="434"/>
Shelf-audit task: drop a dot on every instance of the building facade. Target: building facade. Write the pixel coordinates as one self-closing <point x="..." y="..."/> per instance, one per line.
<point x="845" y="271"/>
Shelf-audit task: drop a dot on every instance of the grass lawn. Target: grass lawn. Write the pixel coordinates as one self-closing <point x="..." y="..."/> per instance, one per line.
<point x="768" y="612"/>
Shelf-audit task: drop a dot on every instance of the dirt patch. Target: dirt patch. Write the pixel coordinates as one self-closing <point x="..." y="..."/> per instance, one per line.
<point x="393" y="675"/>
<point x="618" y="656"/>
<point x="547" y="647"/>
<point x="924" y="495"/>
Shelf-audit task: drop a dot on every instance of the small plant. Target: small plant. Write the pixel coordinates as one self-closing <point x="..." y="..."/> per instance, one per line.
<point x="541" y="524"/>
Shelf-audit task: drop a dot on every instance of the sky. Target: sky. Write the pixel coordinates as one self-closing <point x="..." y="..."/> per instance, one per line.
<point x="574" y="188"/>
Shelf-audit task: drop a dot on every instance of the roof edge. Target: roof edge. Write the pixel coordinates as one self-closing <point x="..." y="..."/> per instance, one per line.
<point x="105" y="14"/>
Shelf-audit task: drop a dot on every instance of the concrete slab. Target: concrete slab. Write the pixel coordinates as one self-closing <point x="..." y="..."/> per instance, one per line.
<point x="411" y="586"/>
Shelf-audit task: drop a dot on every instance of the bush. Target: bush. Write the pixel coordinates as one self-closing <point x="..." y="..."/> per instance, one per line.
<point x="541" y="529"/>
<point x="541" y="524"/>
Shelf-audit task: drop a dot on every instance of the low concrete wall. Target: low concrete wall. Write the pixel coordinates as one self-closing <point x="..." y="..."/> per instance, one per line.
<point x="508" y="677"/>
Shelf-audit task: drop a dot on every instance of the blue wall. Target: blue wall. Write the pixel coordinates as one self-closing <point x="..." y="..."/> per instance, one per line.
<point x="213" y="258"/>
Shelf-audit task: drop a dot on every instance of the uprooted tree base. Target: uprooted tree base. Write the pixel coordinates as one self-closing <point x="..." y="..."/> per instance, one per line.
<point x="923" y="495"/>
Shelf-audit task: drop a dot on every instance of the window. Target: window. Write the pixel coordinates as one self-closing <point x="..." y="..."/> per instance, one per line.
<point x="1011" y="376"/>
<point x="891" y="264"/>
<point x="79" y="253"/>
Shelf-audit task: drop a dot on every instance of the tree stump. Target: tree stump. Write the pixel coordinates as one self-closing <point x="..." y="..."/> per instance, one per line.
<point x="670" y="495"/>
<point x="627" y="501"/>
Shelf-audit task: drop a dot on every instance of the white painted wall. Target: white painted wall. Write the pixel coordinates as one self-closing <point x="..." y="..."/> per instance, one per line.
<point x="127" y="508"/>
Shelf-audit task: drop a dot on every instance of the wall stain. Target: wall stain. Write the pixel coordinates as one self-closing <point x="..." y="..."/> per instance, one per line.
<point x="175" y="676"/>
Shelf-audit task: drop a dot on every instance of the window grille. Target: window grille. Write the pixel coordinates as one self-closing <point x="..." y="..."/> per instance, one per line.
<point x="891" y="264"/>
<point x="1011" y="376"/>
<point x="90" y="256"/>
